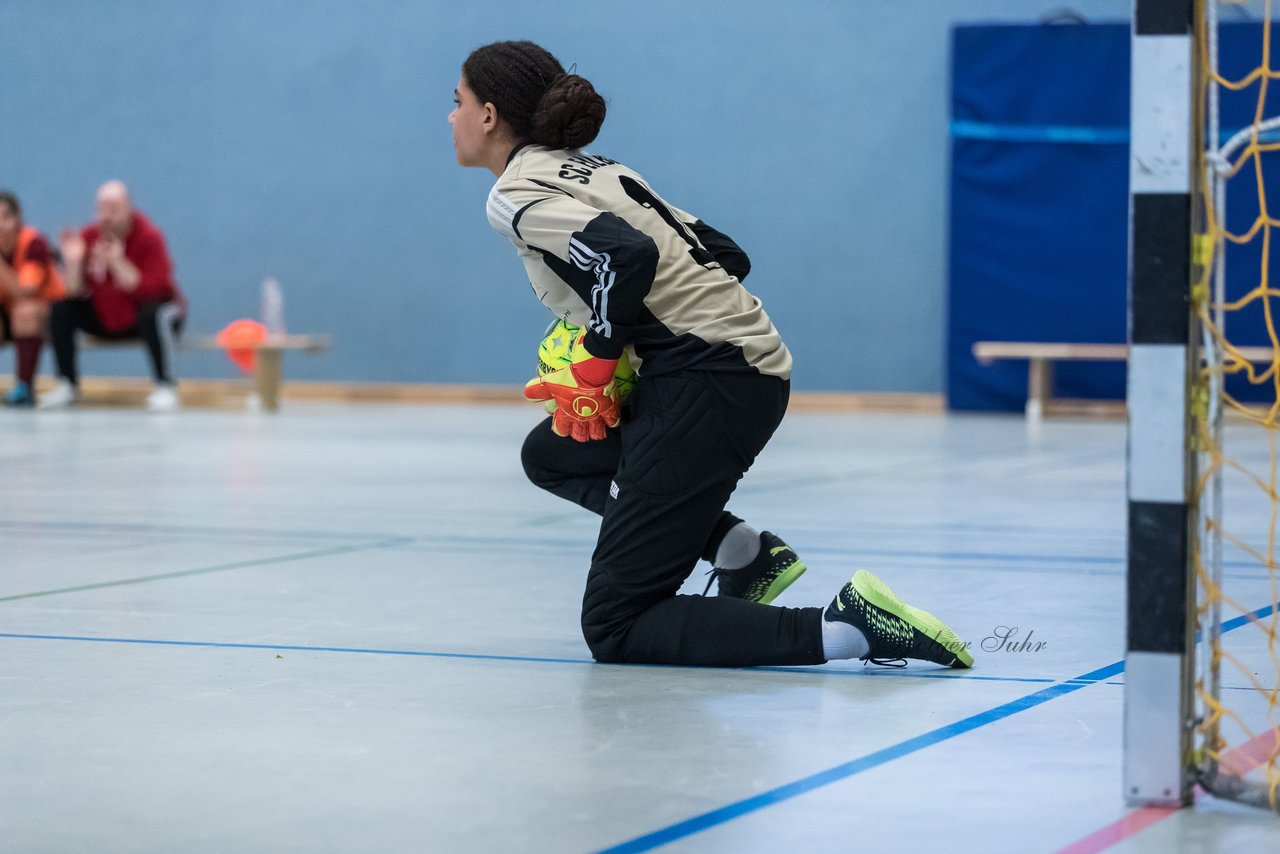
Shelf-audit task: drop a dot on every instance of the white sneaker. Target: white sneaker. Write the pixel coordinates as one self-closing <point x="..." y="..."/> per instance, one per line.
<point x="62" y="395"/>
<point x="163" y="399"/>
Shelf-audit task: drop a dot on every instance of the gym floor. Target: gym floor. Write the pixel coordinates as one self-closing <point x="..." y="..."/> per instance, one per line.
<point x="355" y="628"/>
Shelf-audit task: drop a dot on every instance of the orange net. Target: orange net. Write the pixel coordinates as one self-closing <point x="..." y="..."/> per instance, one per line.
<point x="1237" y="496"/>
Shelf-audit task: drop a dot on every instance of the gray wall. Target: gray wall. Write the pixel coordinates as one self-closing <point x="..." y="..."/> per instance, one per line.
<point x="307" y="140"/>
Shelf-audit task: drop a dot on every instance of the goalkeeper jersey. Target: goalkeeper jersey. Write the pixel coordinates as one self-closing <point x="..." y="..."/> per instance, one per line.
<point x="604" y="251"/>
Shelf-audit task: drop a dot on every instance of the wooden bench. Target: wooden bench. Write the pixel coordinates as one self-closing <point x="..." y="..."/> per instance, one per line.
<point x="268" y="373"/>
<point x="1041" y="356"/>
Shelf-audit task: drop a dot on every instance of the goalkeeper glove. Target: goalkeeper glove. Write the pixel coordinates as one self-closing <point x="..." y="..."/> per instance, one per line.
<point x="584" y="394"/>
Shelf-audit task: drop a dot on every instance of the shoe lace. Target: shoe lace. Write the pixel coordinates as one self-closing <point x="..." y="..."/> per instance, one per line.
<point x="916" y="649"/>
<point x="714" y="575"/>
<point x="900" y="636"/>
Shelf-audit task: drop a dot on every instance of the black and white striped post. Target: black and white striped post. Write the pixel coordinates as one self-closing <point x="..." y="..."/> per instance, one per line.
<point x="1160" y="648"/>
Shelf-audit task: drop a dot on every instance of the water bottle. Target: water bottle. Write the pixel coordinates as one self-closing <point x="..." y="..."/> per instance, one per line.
<point x="272" y="306"/>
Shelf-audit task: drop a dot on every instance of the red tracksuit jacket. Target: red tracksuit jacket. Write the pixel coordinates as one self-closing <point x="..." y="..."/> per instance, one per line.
<point x="145" y="249"/>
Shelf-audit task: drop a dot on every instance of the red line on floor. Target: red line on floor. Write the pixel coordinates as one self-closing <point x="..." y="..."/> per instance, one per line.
<point x="1239" y="760"/>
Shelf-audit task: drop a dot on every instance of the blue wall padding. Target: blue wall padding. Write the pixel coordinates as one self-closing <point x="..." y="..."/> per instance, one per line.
<point x="1038" y="225"/>
<point x="1039" y="202"/>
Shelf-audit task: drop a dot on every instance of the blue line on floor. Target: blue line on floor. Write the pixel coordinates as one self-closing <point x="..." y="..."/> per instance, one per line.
<point x="851" y="552"/>
<point x="474" y="656"/>
<point x="1106" y="564"/>
<point x="1237" y="622"/>
<point x="294" y="648"/>
<point x="863" y="763"/>
<point x="895" y="673"/>
<point x="1117" y="561"/>
<point x="1079" y="681"/>
<point x="710" y="819"/>
<point x="735" y="810"/>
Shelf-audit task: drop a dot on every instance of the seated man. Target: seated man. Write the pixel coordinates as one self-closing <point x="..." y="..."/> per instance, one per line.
<point x="28" y="284"/>
<point x="119" y="282"/>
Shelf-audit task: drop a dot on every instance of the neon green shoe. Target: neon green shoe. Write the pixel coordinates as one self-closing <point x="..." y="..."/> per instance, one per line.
<point x="762" y="580"/>
<point x="895" y="630"/>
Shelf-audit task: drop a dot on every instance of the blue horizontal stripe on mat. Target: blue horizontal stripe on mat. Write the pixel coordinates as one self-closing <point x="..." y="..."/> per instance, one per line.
<point x="1040" y="133"/>
<point x="1077" y="134"/>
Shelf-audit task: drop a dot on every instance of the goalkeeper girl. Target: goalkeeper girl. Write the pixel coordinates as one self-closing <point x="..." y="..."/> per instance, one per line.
<point x="605" y="252"/>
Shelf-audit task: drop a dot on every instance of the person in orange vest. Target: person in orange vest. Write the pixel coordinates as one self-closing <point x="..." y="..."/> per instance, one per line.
<point x="29" y="282"/>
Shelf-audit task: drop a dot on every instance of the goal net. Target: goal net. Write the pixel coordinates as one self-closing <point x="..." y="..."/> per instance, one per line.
<point x="1234" y="403"/>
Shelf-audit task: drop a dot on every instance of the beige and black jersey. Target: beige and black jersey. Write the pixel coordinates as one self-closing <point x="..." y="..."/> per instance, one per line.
<point x="602" y="250"/>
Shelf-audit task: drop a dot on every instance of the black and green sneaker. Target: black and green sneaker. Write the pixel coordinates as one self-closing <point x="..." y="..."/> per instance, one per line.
<point x="895" y="630"/>
<point x="762" y="580"/>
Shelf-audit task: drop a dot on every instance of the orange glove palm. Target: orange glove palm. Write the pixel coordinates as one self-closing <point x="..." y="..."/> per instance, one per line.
<point x="583" y="408"/>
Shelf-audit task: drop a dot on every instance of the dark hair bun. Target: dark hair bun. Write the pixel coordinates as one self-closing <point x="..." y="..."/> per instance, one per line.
<point x="569" y="115"/>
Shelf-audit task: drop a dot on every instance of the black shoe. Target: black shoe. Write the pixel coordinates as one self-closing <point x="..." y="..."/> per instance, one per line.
<point x="894" y="630"/>
<point x="762" y="580"/>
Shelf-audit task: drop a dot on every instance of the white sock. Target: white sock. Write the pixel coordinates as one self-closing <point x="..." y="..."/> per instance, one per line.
<point x="738" y="548"/>
<point x="841" y="640"/>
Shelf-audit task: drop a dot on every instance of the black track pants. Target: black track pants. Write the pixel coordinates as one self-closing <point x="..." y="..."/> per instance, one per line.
<point x="158" y="323"/>
<point x="581" y="472"/>
<point x="689" y="439"/>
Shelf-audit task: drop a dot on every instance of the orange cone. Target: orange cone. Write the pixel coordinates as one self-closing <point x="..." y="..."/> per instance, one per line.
<point x="239" y="337"/>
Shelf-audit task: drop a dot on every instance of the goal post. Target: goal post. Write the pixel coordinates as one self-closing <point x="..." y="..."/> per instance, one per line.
<point x="1160" y="605"/>
<point x="1202" y="652"/>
